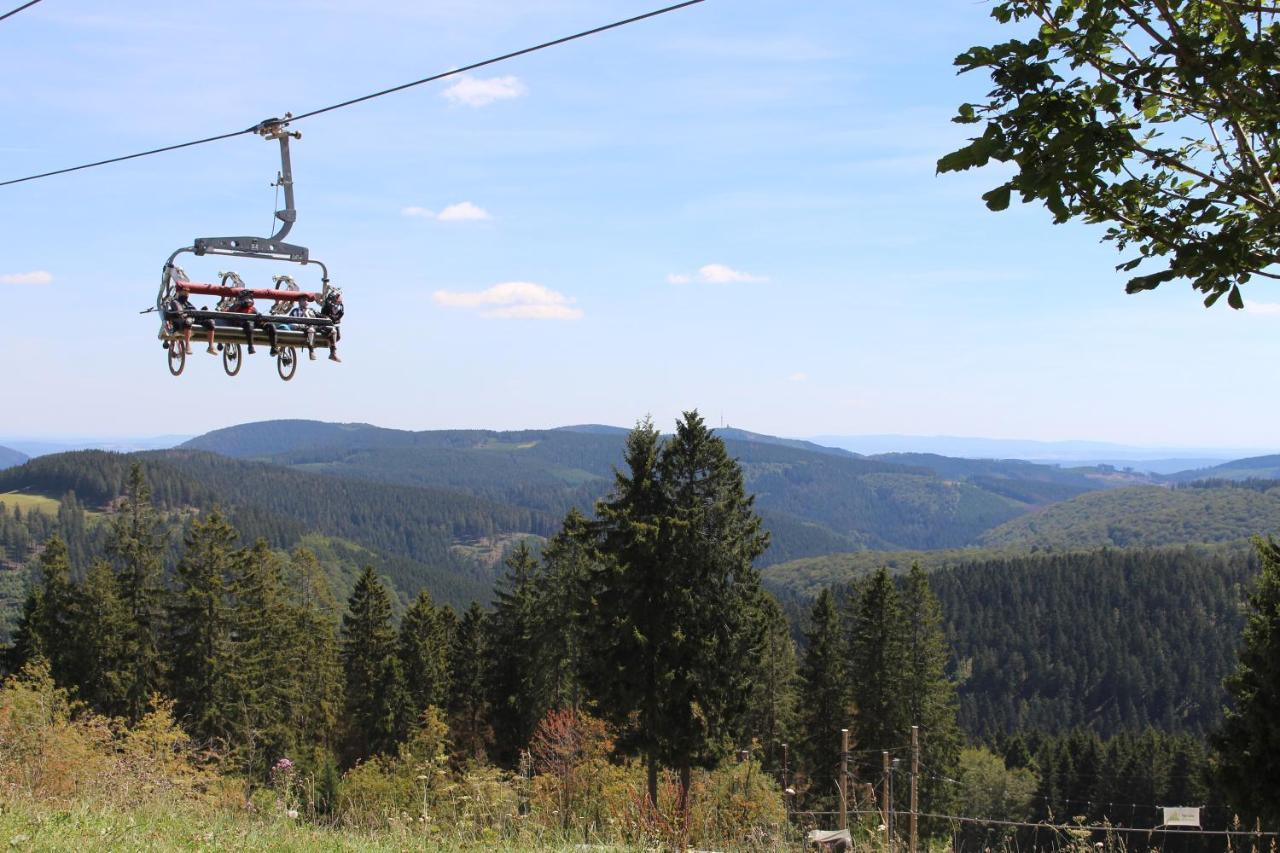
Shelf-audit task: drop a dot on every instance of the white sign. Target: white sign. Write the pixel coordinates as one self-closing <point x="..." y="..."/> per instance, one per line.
<point x="1181" y="816"/>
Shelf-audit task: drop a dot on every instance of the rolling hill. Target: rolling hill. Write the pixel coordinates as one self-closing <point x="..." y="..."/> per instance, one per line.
<point x="1252" y="468"/>
<point x="814" y="499"/>
<point x="10" y="457"/>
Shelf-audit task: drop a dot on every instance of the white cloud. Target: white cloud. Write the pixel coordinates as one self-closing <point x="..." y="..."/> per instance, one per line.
<point x="462" y="211"/>
<point x="798" y="377"/>
<point x="513" y="300"/>
<point x="1262" y="307"/>
<point x="715" y="274"/>
<point x="477" y="92"/>
<point x="33" y="277"/>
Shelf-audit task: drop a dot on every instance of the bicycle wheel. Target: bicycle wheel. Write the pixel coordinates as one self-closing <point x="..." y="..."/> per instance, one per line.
<point x="231" y="360"/>
<point x="287" y="363"/>
<point x="177" y="357"/>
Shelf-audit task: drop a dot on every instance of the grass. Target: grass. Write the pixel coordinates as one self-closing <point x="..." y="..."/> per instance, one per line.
<point x="28" y="502"/>
<point x="25" y="825"/>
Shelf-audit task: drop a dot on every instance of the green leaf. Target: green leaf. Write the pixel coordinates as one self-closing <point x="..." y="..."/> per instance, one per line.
<point x="998" y="198"/>
<point x="1234" y="299"/>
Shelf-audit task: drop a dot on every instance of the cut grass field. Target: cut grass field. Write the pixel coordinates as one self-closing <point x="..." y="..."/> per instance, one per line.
<point x="29" y="502"/>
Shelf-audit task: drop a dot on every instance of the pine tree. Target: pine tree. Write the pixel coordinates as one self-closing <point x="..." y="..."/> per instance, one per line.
<point x="929" y="695"/>
<point x="136" y="544"/>
<point x="676" y="597"/>
<point x="468" y="681"/>
<point x="200" y="635"/>
<point x="878" y="664"/>
<point x="1248" y="742"/>
<point x="265" y="685"/>
<point x="102" y="635"/>
<point x="516" y="680"/>
<point x="824" y="707"/>
<point x="377" y="706"/>
<point x="424" y="654"/>
<point x="48" y="625"/>
<point x="771" y="716"/>
<point x="566" y="564"/>
<point x="314" y="664"/>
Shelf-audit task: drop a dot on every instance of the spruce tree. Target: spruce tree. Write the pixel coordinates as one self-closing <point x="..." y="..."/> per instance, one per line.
<point x="929" y="695"/>
<point x="1248" y="742"/>
<point x="136" y="545"/>
<point x="468" y="682"/>
<point x="200" y="634"/>
<point x="824" y="706"/>
<point x="424" y="654"/>
<point x="265" y="683"/>
<point x="771" y="715"/>
<point x="517" y="683"/>
<point x="675" y="597"/>
<point x="48" y="626"/>
<point x="314" y="664"/>
<point x="102" y="636"/>
<point x="377" y="706"/>
<point x="878" y="664"/>
<point x="566" y="562"/>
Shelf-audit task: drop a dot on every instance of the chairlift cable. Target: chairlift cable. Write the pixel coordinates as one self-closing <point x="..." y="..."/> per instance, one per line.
<point x="13" y="12"/>
<point x="361" y="99"/>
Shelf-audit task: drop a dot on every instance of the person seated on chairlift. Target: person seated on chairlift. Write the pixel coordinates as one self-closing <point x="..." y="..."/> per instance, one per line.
<point x="332" y="308"/>
<point x="179" y="320"/>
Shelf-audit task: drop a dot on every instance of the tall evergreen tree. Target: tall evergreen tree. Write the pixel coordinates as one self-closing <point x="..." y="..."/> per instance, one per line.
<point x="675" y="597"/>
<point x="878" y="666"/>
<point x="771" y="716"/>
<point x="929" y="695"/>
<point x="48" y="626"/>
<point x="1248" y="742"/>
<point x="824" y="707"/>
<point x="424" y="654"/>
<point x="136" y="544"/>
<point x="265" y="641"/>
<point x="102" y="636"/>
<point x="314" y="664"/>
<point x="566" y="563"/>
<point x="376" y="702"/>
<point x="200" y="635"/>
<point x="468" y="682"/>
<point x="516" y="677"/>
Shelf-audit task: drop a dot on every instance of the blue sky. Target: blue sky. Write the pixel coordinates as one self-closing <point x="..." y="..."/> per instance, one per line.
<point x="732" y="207"/>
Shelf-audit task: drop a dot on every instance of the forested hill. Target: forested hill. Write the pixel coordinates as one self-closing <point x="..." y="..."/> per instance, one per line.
<point x="1253" y="468"/>
<point x="10" y="457"/>
<point x="814" y="500"/>
<point x="1208" y="511"/>
<point x="416" y="537"/>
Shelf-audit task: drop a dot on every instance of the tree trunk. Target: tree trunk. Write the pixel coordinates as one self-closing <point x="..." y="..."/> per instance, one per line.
<point x="683" y="813"/>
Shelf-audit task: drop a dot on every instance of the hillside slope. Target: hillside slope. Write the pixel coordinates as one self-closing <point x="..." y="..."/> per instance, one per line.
<point x="10" y="457"/>
<point x="815" y="500"/>
<point x="1146" y="516"/>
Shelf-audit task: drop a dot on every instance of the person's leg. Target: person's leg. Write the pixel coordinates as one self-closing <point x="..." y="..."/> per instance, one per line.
<point x="247" y="325"/>
<point x="208" y="324"/>
<point x="273" y="337"/>
<point x="311" y="341"/>
<point x="334" y="335"/>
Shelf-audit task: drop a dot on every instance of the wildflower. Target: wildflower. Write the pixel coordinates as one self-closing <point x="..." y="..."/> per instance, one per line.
<point x="284" y="765"/>
<point x="292" y="814"/>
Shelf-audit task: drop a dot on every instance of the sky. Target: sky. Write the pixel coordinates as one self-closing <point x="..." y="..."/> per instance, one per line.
<point x="732" y="208"/>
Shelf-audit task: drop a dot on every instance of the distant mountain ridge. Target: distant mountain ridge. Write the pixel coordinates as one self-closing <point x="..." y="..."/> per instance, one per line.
<point x="10" y="457"/>
<point x="814" y="499"/>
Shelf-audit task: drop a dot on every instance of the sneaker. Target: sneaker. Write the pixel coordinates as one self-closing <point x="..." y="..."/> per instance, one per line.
<point x="312" y="354"/>
<point x="333" y="356"/>
<point x="274" y="350"/>
<point x="251" y="349"/>
<point x="211" y="350"/>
